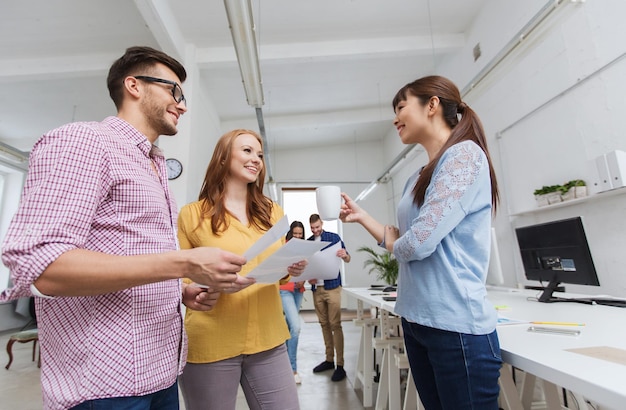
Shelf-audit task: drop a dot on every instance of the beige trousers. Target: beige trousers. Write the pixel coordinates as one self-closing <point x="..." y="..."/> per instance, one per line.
<point x="328" y="309"/>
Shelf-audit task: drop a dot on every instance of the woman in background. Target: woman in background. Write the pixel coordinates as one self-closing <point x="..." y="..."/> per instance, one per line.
<point x="291" y="295"/>
<point x="242" y="340"/>
<point x="442" y="245"/>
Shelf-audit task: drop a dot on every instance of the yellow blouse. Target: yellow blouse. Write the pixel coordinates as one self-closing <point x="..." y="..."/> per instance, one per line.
<point x="246" y="322"/>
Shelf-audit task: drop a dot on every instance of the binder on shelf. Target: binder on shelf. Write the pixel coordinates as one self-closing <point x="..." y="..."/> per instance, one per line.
<point x="603" y="182"/>
<point x="616" y="163"/>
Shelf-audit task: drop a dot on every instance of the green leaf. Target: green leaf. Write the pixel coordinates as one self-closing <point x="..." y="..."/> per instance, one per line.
<point x="385" y="265"/>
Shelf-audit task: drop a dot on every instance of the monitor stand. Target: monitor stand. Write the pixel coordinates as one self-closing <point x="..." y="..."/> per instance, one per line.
<point x="553" y="286"/>
<point x="546" y="296"/>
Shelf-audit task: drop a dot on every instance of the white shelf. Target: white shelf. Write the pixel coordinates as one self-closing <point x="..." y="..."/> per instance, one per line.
<point x="571" y="202"/>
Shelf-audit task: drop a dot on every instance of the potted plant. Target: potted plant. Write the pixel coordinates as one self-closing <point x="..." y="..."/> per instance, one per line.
<point x="575" y="188"/>
<point x="567" y="191"/>
<point x="548" y="194"/>
<point x="579" y="187"/>
<point x="384" y="264"/>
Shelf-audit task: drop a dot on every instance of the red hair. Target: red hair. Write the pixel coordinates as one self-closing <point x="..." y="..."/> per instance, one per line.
<point x="258" y="206"/>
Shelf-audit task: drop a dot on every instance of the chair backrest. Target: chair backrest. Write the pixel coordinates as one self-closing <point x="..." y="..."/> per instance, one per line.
<point x="31" y="309"/>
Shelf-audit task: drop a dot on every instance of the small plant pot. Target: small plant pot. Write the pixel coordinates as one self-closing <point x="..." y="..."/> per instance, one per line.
<point x="542" y="200"/>
<point x="580" y="191"/>
<point x="570" y="194"/>
<point x="554" y="197"/>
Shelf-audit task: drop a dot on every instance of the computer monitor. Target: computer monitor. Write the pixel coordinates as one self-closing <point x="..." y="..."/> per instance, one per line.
<point x="556" y="252"/>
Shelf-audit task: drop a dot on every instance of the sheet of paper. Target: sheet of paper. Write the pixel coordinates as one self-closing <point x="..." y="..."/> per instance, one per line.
<point x="275" y="267"/>
<point x="324" y="264"/>
<point x="276" y="232"/>
<point x="608" y="353"/>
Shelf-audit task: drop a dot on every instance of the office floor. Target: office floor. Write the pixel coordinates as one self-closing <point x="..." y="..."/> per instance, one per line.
<point x="20" y="387"/>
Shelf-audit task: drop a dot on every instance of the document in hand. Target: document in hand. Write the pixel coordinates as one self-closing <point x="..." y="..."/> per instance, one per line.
<point x="275" y="266"/>
<point x="275" y="233"/>
<point x="324" y="264"/>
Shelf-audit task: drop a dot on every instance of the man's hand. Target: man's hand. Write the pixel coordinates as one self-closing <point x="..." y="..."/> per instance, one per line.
<point x="297" y="268"/>
<point x="199" y="298"/>
<point x="241" y="282"/>
<point x="217" y="269"/>
<point x="344" y="255"/>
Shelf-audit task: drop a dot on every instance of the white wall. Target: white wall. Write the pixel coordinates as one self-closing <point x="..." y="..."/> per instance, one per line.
<point x="198" y="131"/>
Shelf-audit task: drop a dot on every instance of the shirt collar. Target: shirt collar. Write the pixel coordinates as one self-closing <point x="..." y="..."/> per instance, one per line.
<point x="134" y="136"/>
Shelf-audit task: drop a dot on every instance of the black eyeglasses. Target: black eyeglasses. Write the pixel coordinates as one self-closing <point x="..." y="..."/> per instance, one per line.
<point x="177" y="92"/>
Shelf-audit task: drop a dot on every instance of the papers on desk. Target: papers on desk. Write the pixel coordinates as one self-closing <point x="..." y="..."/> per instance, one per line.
<point x="322" y="265"/>
<point x="608" y="353"/>
<point x="275" y="266"/>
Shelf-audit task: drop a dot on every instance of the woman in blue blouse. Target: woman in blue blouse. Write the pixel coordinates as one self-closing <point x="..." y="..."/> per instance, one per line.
<point x="442" y="243"/>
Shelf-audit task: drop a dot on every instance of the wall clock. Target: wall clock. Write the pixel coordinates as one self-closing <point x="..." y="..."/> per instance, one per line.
<point x="174" y="168"/>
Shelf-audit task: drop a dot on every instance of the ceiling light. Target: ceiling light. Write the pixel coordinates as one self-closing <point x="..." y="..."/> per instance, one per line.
<point x="385" y="176"/>
<point x="239" y="13"/>
<point x="366" y="191"/>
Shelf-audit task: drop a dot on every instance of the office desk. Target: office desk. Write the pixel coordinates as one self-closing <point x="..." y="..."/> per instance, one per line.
<point x="545" y="355"/>
<point x="390" y="343"/>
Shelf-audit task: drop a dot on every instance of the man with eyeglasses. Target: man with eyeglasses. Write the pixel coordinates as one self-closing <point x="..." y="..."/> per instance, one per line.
<point x="94" y="239"/>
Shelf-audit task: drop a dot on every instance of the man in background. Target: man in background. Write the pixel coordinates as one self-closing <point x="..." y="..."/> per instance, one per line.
<point x="327" y="301"/>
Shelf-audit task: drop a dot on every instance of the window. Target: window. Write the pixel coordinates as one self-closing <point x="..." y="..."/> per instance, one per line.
<point x="11" y="182"/>
<point x="299" y="204"/>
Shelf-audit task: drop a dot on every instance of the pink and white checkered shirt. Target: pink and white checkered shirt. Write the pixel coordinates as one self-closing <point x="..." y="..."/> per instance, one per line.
<point x="92" y="186"/>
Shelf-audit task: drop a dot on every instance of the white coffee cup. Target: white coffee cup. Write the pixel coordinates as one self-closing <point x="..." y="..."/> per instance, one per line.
<point x="328" y="200"/>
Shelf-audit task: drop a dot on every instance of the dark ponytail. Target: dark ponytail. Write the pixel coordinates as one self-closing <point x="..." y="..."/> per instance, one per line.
<point x="468" y="127"/>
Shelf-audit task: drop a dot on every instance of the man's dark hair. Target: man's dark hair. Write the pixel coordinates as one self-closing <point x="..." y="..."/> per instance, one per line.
<point x="138" y="61"/>
<point x="314" y="218"/>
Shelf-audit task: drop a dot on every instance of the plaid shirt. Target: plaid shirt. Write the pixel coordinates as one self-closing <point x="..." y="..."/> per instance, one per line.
<point x="92" y="186"/>
<point x="333" y="238"/>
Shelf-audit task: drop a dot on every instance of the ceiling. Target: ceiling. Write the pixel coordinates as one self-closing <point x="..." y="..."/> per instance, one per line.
<point x="329" y="67"/>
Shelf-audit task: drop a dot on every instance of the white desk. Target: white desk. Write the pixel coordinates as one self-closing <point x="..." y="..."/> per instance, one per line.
<point x="544" y="355"/>
<point x="390" y="343"/>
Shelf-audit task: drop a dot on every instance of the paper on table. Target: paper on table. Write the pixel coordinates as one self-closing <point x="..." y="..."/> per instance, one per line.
<point x="275" y="266"/>
<point x="276" y="232"/>
<point x="324" y="264"/>
<point x="608" y="353"/>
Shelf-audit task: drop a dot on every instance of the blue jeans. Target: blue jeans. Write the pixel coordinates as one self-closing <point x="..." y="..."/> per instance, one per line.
<point x="291" y="307"/>
<point x="453" y="370"/>
<point x="166" y="399"/>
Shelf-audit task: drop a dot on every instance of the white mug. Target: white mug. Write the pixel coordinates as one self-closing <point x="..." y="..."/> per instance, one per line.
<point x="328" y="200"/>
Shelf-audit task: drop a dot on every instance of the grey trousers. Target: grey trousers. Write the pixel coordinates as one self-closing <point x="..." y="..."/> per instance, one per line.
<point x="266" y="379"/>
